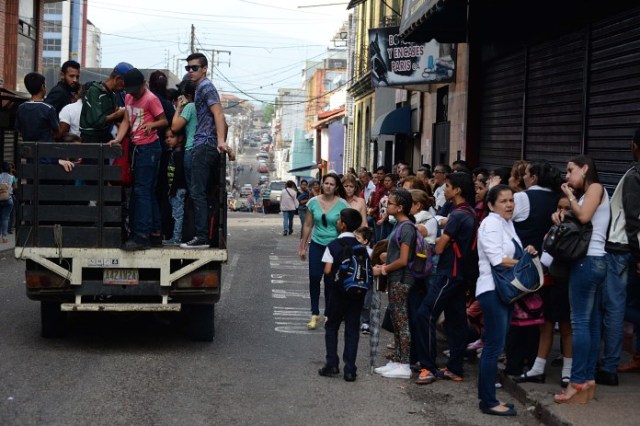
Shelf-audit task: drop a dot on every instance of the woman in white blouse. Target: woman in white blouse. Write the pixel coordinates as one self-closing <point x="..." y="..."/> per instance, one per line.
<point x="496" y="237"/>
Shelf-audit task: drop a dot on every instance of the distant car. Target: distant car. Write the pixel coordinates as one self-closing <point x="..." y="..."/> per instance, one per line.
<point x="262" y="168"/>
<point x="246" y="190"/>
<point x="262" y="154"/>
<point x="276" y="188"/>
<point x="263" y="179"/>
<point x="253" y="144"/>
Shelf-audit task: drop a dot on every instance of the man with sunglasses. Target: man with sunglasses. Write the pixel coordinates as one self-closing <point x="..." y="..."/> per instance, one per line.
<point x="209" y="142"/>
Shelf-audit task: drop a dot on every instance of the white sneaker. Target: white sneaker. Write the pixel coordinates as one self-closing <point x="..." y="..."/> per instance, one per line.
<point x="390" y="366"/>
<point x="401" y="371"/>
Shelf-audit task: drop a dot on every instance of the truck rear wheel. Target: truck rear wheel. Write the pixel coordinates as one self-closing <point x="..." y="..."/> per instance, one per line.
<point x="200" y="322"/>
<point x="53" y="320"/>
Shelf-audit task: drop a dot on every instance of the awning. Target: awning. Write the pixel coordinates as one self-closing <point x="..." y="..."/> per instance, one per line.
<point x="305" y="168"/>
<point x="393" y="122"/>
<point x="443" y="20"/>
<point x="354" y="3"/>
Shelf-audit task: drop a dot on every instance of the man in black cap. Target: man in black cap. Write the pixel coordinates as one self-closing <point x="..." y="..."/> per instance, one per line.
<point x="143" y="115"/>
<point x="62" y="93"/>
<point x="100" y="108"/>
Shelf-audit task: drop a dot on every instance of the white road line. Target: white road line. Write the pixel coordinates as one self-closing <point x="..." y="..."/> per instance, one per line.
<point x="228" y="280"/>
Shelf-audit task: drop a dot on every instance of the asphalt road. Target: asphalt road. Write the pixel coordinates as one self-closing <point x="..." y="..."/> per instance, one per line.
<point x="261" y="368"/>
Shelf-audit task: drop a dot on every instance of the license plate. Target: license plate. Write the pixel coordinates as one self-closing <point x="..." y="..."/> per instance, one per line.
<point x="120" y="277"/>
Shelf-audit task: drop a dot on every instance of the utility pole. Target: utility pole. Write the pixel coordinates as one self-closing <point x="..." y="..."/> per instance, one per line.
<point x="213" y="58"/>
<point x="193" y="39"/>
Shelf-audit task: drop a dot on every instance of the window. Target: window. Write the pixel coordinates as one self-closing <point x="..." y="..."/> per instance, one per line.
<point x="26" y="41"/>
<point x="52" y="26"/>
<point x="52" y="44"/>
<point x="50" y="62"/>
<point x="53" y="8"/>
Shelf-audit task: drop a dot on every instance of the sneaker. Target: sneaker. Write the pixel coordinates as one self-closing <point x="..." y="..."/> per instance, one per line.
<point x="196" y="243"/>
<point x="474" y="346"/>
<point x="171" y="242"/>
<point x="388" y="367"/>
<point x="425" y="377"/>
<point x="364" y="328"/>
<point x="446" y="374"/>
<point x="313" y="324"/>
<point x="400" y="371"/>
<point x="155" y="240"/>
<point x="133" y="245"/>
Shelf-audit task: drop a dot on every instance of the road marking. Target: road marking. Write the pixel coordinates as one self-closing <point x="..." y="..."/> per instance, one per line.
<point x="284" y="272"/>
<point x="229" y="279"/>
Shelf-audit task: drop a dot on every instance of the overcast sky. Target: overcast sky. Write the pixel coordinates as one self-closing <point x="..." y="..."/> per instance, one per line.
<point x="269" y="40"/>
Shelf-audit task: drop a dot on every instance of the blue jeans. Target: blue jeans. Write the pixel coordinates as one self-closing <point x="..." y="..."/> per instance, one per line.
<point x="316" y="273"/>
<point x="287" y="221"/>
<point x="344" y="307"/>
<point x="177" y="211"/>
<point x="6" y="207"/>
<point x="497" y="316"/>
<point x="145" y="170"/>
<point x="614" y="300"/>
<point x="303" y="215"/>
<point x="586" y="279"/>
<point x="205" y="162"/>
<point x="188" y="160"/>
<point x="446" y="295"/>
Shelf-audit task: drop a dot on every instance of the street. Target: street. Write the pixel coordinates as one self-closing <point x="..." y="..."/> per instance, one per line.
<point x="260" y="369"/>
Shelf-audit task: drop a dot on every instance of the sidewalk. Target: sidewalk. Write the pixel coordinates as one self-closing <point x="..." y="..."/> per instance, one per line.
<point x="4" y="247"/>
<point x="613" y="405"/>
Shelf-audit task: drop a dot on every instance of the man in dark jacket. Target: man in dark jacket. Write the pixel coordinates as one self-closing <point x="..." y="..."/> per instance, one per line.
<point x="61" y="95"/>
<point x="623" y="255"/>
<point x="100" y="107"/>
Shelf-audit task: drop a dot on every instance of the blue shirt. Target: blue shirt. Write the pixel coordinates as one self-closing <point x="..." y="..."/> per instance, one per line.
<point x="206" y="96"/>
<point x="461" y="227"/>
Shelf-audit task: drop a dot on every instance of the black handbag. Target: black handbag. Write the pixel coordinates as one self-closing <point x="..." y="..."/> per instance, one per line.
<point x="568" y="240"/>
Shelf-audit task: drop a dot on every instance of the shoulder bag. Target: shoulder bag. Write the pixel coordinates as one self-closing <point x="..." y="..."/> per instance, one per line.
<point x="568" y="240"/>
<point x="524" y="278"/>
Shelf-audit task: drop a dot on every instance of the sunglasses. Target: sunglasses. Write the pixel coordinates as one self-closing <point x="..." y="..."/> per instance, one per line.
<point x="324" y="220"/>
<point x="192" y="67"/>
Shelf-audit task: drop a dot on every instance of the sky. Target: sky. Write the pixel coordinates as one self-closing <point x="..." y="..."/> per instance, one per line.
<point x="268" y="40"/>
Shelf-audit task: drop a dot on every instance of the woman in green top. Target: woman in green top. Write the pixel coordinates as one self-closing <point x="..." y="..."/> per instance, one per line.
<point x="185" y="117"/>
<point x="322" y="216"/>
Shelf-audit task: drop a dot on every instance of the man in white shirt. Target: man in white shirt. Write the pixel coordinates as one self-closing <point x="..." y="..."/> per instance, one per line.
<point x="367" y="185"/>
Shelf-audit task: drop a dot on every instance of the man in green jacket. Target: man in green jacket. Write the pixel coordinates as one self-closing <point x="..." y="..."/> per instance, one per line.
<point x="100" y="108"/>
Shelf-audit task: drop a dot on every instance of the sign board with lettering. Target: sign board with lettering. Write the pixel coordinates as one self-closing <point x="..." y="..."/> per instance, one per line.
<point x="394" y="62"/>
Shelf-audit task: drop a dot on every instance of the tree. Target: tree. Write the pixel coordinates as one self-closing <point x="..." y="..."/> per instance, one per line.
<point x="267" y="113"/>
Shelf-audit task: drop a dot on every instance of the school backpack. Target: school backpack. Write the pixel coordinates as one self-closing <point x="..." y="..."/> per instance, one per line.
<point x="421" y="263"/>
<point x="5" y="190"/>
<point x="354" y="271"/>
<point x="467" y="266"/>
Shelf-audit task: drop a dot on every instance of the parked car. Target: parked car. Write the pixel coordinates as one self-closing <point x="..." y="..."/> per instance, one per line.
<point x="262" y="168"/>
<point x="263" y="179"/>
<point x="262" y="154"/>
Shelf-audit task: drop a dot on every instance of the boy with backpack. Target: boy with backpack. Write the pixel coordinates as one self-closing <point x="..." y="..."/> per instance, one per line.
<point x="348" y="263"/>
<point x="447" y="289"/>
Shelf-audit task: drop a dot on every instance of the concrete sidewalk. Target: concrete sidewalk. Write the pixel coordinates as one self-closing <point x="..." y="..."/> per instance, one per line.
<point x="10" y="245"/>
<point x="613" y="405"/>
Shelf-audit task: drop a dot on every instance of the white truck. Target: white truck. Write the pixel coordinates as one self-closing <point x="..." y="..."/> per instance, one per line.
<point x="71" y="227"/>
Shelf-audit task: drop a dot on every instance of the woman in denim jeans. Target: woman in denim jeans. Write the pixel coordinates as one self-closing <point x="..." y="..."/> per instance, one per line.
<point x="589" y="202"/>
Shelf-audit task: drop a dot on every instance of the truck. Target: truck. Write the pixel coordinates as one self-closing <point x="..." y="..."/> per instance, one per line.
<point x="71" y="225"/>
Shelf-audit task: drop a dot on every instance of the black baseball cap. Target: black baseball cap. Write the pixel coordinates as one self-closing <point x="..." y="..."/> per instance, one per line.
<point x="133" y="81"/>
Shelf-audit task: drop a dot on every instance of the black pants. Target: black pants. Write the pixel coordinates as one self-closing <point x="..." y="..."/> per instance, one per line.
<point x="521" y="348"/>
<point x="343" y="307"/>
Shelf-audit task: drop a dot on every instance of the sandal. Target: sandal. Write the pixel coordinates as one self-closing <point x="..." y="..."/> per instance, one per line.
<point x="573" y="394"/>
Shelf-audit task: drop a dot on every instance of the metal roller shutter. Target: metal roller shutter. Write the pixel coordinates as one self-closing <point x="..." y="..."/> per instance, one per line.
<point x="501" y="118"/>
<point x="554" y="101"/>
<point x="614" y="94"/>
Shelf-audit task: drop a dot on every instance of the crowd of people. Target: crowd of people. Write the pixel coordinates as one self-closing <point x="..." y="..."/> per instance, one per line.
<point x="475" y="221"/>
<point x="172" y="140"/>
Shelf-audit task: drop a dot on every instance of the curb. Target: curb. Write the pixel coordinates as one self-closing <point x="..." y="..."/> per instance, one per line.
<point x="540" y="410"/>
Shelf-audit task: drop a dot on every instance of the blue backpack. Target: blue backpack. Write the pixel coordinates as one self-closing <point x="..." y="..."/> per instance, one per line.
<point x="354" y="271"/>
<point x="421" y="263"/>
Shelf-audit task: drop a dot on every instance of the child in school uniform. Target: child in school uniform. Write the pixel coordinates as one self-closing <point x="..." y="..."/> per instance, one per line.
<point x="344" y="306"/>
<point x="177" y="184"/>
